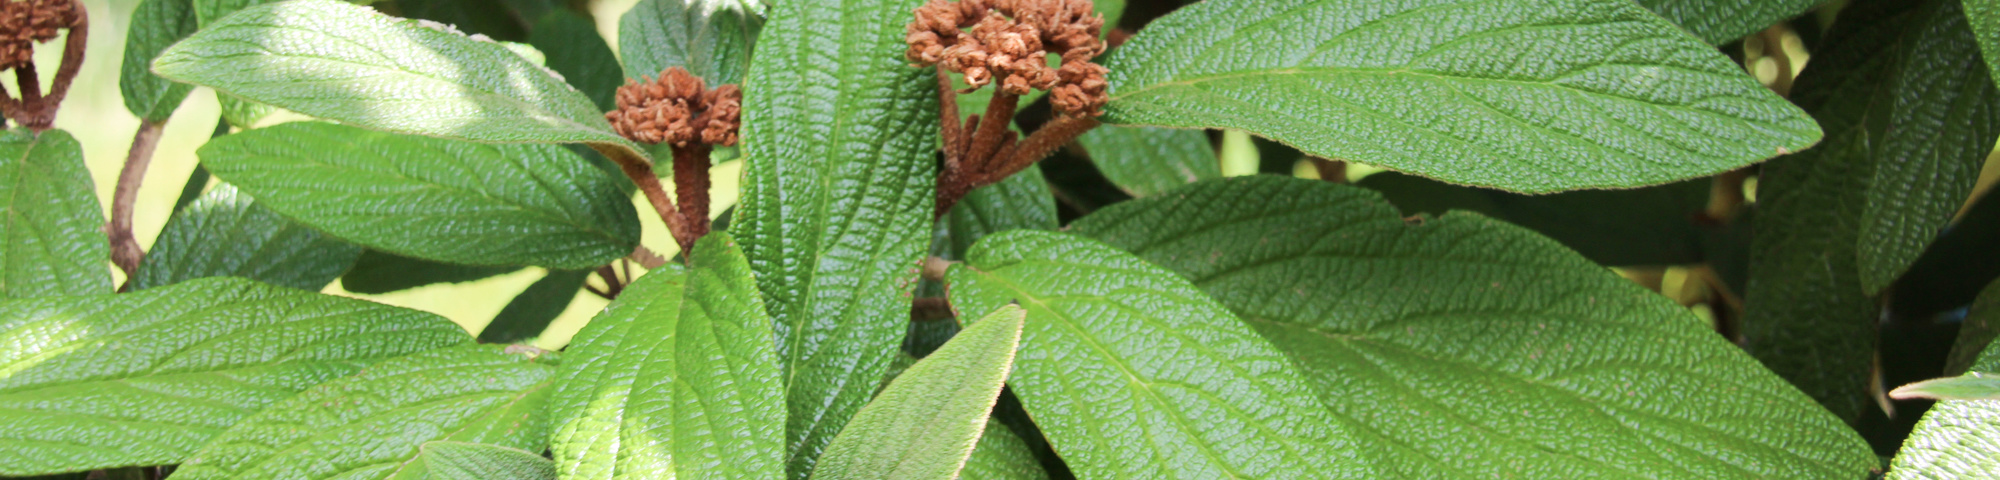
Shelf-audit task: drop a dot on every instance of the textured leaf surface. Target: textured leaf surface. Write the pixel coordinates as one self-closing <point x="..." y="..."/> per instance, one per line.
<point x="1956" y="438"/>
<point x="437" y="199"/>
<point x="580" y="55"/>
<point x="155" y="25"/>
<point x="1001" y="455"/>
<point x="719" y="381"/>
<point x="712" y="39"/>
<point x="1148" y="160"/>
<point x="1475" y="349"/>
<point x="332" y="60"/>
<point x="529" y="313"/>
<point x="146" y="378"/>
<point x="382" y="272"/>
<point x="1720" y="21"/>
<point x="1525" y="96"/>
<point x="925" y="424"/>
<point x="54" y="242"/>
<point x="1022" y="200"/>
<point x="1642" y="226"/>
<point x="1972" y="386"/>
<point x="372" y="425"/>
<point x="1984" y="17"/>
<point x="478" y="461"/>
<point x="226" y="233"/>
<point x="591" y="436"/>
<point x="1133" y="373"/>
<point x="840" y="135"/>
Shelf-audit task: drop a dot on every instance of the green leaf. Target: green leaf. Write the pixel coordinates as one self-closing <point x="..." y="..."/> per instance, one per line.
<point x="1001" y="455"/>
<point x="1984" y="16"/>
<point x="528" y="314"/>
<point x="592" y="438"/>
<point x="1133" y="373"/>
<point x="198" y="356"/>
<point x="925" y="424"/>
<point x="1981" y="326"/>
<point x="372" y="425"/>
<point x="242" y="113"/>
<point x="382" y="272"/>
<point x="837" y="207"/>
<point x="717" y="385"/>
<point x="1808" y="311"/>
<point x="208" y="11"/>
<point x="1642" y="226"/>
<point x="1721" y="21"/>
<point x="226" y="233"/>
<point x="1022" y="200"/>
<point x="328" y="59"/>
<point x="53" y="230"/>
<point x="1533" y="97"/>
<point x="1955" y="438"/>
<point x="579" y="54"/>
<point x="712" y="39"/>
<point x="437" y="199"/>
<point x="1145" y="160"/>
<point x="1536" y="362"/>
<point x="1113" y="10"/>
<point x="1971" y="386"/>
<point x="155" y="25"/>
<point x="478" y="461"/>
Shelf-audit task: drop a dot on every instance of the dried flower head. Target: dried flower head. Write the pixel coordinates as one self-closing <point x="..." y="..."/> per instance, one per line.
<point x="23" y="23"/>
<point x="1010" y="40"/>
<point x="677" y="108"/>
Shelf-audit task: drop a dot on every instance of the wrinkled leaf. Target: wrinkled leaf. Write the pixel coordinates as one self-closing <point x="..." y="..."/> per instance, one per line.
<point x="1956" y="438"/>
<point x="712" y="39"/>
<point x="576" y="52"/>
<point x="1720" y="21"/>
<point x="382" y="272"/>
<point x="54" y="242"/>
<point x="431" y="198"/>
<point x="155" y="25"/>
<point x="528" y="314"/>
<point x="592" y="438"/>
<point x="719" y="380"/>
<point x="478" y="461"/>
<point x="199" y="356"/>
<point x="226" y="233"/>
<point x="1525" y="96"/>
<point x="1148" y="160"/>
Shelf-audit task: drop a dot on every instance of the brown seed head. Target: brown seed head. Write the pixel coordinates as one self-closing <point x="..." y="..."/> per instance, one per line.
<point x="23" y="23"/>
<point x="1010" y="40"/>
<point x="677" y="108"/>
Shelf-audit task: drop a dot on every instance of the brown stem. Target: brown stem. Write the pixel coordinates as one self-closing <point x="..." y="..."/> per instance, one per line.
<point x="125" y="251"/>
<point x="992" y="131"/>
<point x="930" y="309"/>
<point x="34" y="112"/>
<point x="1041" y="144"/>
<point x="948" y="121"/>
<point x="641" y="173"/>
<point x="72" y="60"/>
<point x="691" y="191"/>
<point x="646" y="258"/>
<point x="612" y="286"/>
<point x="1330" y="170"/>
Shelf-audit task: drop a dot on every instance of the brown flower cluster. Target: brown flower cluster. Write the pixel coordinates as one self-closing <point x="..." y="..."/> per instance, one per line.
<point x="1010" y="40"/>
<point x="677" y="108"/>
<point x="23" y="23"/>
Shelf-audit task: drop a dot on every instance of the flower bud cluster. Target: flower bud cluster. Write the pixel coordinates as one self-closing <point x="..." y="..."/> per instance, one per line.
<point x="677" y="108"/>
<point x="1010" y="40"/>
<point x="24" y="23"/>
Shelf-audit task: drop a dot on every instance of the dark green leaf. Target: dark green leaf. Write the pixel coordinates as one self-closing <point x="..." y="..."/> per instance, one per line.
<point x="1133" y="373"/>
<point x="1720" y="21"/>
<point x="146" y="378"/>
<point x="592" y="438"/>
<point x="1022" y="200"/>
<point x="431" y="198"/>
<point x="712" y="39"/>
<point x="841" y="137"/>
<point x="491" y="18"/>
<point x="1001" y="455"/>
<point x="576" y="52"/>
<point x="1955" y="438"/>
<point x="477" y="461"/>
<point x="371" y="425"/>
<point x="1642" y="226"/>
<point x="1149" y="160"/>
<point x="228" y="234"/>
<point x="1475" y="349"/>
<point x="155" y="25"/>
<point x="530" y="313"/>
<point x="382" y="272"/>
<point x="1981" y="326"/>
<point x="54" y="242"/>
<point x="1526" y="96"/>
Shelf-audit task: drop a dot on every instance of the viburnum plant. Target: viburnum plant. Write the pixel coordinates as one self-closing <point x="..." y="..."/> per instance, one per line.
<point x="1016" y="239"/>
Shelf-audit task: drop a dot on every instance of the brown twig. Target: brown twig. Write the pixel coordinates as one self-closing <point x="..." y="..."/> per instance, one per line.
<point x="612" y="285"/>
<point x="646" y="258"/>
<point x="641" y="172"/>
<point x="125" y="251"/>
<point x="1330" y="170"/>
<point x="691" y="191"/>
<point x="930" y="309"/>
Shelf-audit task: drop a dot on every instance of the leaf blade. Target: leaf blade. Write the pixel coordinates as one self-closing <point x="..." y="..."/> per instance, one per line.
<point x="226" y="233"/>
<point x="156" y="24"/>
<point x="727" y="398"/>
<point x="591" y="437"/>
<point x="1148" y="160"/>
<point x="712" y="39"/>
<point x="54" y="241"/>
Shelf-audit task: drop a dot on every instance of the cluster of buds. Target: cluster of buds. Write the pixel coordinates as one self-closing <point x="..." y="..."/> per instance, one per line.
<point x="1010" y="40"/>
<point x="677" y="109"/>
<point x="24" y="23"/>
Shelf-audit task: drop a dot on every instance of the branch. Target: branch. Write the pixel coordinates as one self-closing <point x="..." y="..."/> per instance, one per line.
<point x="125" y="251"/>
<point x="691" y="191"/>
<point x="640" y="171"/>
<point x="646" y="258"/>
<point x="930" y="309"/>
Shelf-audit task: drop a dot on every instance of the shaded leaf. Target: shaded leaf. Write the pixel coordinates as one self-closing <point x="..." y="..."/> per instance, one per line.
<point x="226" y="233"/>
<point x="712" y="39"/>
<point x="1001" y="455"/>
<point x="54" y="242"/>
<point x="1022" y="200"/>
<point x="1149" y="160"/>
<point x="575" y="51"/>
<point x="155" y="25"/>
<point x="1981" y="326"/>
<point x="1955" y="438"/>
<point x="382" y="272"/>
<point x="1642" y="226"/>
<point x="529" y="313"/>
<point x="1720" y="21"/>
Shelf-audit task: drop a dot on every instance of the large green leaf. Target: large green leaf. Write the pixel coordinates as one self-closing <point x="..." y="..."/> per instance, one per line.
<point x="1881" y="86"/>
<point x="1720" y="21"/>
<point x="1148" y="160"/>
<point x="1654" y="225"/>
<point x="145" y="378"/>
<point x="155" y="25"/>
<point x="1526" y="96"/>
<point x="431" y="198"/>
<point x="592" y="438"/>
<point x="529" y="313"/>
<point x="1955" y="438"/>
<point x="373" y="424"/>
<point x="1001" y="455"/>
<point x="1984" y="16"/>
<point x="382" y="272"/>
<point x="712" y="39"/>
<point x="841" y="137"/>
<point x="53" y="229"/>
<point x="1133" y="373"/>
<point x="715" y="395"/>
<point x="445" y="460"/>
<point x="580" y="55"/>
<point x="926" y="423"/>
<point x="226" y="233"/>
<point x="1022" y="200"/>
<point x="332" y="60"/>
<point x="1477" y="349"/>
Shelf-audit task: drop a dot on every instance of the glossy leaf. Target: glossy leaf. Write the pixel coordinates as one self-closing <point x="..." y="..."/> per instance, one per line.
<point x="1472" y="348"/>
<point x="478" y="461"/>
<point x="382" y="272"/>
<point x="1022" y="200"/>
<point x="54" y="242"/>
<point x="1654" y="225"/>
<point x="1001" y="455"/>
<point x="712" y="39"/>
<point x="1525" y="96"/>
<point x="580" y="55"/>
<point x="436" y="199"/>
<point x="719" y="381"/>
<point x="373" y="424"/>
<point x="336" y="61"/>
<point x="1133" y="373"/>
<point x="1720" y="21"/>
<point x="841" y="136"/>
<point x="226" y="233"/>
<point x="1148" y="160"/>
<point x="529" y="313"/>
<point x="592" y="438"/>
<point x="1955" y="438"/>
<point x="145" y="378"/>
<point x="926" y="423"/>
<point x="155" y="25"/>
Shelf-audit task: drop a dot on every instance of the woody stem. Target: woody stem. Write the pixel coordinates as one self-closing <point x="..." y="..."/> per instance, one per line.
<point x="974" y="166"/>
<point x="1038" y="146"/>
<point x="691" y="191"/>
<point x="640" y="171"/>
<point x="125" y="251"/>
